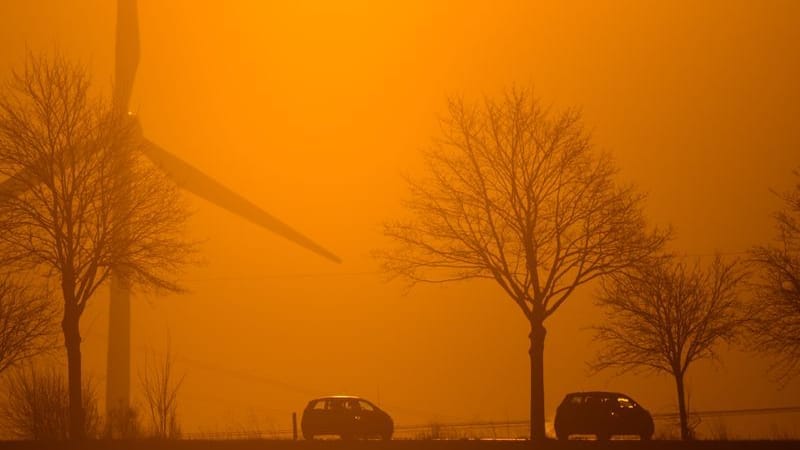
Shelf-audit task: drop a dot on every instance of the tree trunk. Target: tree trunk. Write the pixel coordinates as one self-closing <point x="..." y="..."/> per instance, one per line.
<point x="537" y="336"/>
<point x="72" y="341"/>
<point x="118" y="369"/>
<point x="685" y="434"/>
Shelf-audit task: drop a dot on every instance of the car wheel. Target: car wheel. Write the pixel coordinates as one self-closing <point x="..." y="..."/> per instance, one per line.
<point x="603" y="436"/>
<point x="308" y="436"/>
<point x="387" y="436"/>
<point x="646" y="436"/>
<point x="346" y="437"/>
<point x="562" y="435"/>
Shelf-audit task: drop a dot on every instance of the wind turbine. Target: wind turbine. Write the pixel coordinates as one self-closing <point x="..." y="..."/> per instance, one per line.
<point x="186" y="176"/>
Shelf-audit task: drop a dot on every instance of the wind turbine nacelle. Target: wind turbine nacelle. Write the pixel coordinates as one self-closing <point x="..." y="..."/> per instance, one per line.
<point x="133" y="125"/>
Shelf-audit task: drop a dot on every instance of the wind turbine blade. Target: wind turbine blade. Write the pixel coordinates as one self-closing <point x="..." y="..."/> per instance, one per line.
<point x="15" y="185"/>
<point x="206" y="187"/>
<point x="127" y="53"/>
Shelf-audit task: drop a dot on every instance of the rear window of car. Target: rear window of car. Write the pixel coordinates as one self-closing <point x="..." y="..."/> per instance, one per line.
<point x="595" y="400"/>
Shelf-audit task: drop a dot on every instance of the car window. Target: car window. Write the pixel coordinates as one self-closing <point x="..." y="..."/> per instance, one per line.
<point x="625" y="403"/>
<point x="336" y="404"/>
<point x="576" y="400"/>
<point x="365" y="406"/>
<point x="320" y="405"/>
<point x="351" y="405"/>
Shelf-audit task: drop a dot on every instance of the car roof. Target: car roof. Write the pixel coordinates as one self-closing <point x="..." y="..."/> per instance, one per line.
<point x="599" y="393"/>
<point x="329" y="397"/>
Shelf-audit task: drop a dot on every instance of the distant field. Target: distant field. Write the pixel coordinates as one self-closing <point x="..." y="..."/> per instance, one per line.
<point x="399" y="445"/>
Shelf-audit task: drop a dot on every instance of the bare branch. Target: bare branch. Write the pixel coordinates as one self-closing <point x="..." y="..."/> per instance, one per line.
<point x="517" y="194"/>
<point x="161" y="387"/>
<point x="776" y="311"/>
<point x="27" y="322"/>
<point x="36" y="404"/>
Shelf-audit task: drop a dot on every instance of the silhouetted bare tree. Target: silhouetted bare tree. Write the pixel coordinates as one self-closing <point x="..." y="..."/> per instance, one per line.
<point x="665" y="315"/>
<point x="161" y="386"/>
<point x="518" y="194"/>
<point x="74" y="181"/>
<point x="37" y="405"/>
<point x="776" y="313"/>
<point x="27" y="322"/>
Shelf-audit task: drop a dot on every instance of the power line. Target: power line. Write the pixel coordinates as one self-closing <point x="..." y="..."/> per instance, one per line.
<point x="378" y="272"/>
<point x="245" y="376"/>
<point x="288" y="276"/>
<point x="708" y="255"/>
<point x="734" y="412"/>
<point x="494" y="425"/>
<point x="656" y="416"/>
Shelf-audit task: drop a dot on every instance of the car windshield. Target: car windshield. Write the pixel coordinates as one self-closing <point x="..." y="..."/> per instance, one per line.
<point x="365" y="406"/>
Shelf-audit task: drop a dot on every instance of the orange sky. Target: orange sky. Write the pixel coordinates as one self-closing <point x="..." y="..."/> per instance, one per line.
<point x="314" y="110"/>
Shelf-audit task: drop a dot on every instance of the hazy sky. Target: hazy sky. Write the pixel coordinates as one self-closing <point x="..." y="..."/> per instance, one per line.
<point x="315" y="110"/>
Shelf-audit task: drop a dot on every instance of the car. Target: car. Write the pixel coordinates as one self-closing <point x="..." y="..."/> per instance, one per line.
<point x="348" y="417"/>
<point x="603" y="414"/>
